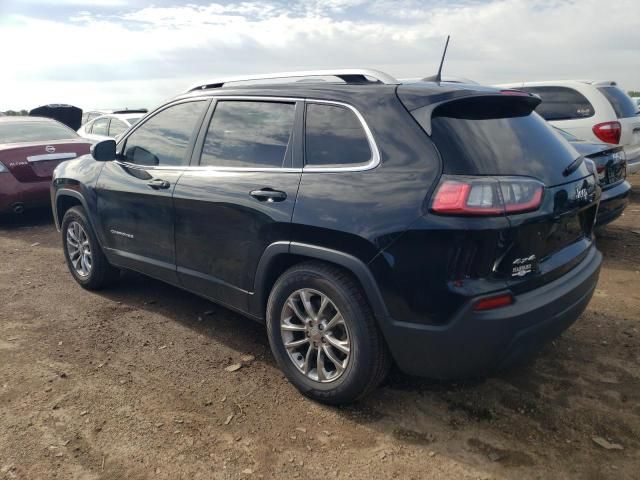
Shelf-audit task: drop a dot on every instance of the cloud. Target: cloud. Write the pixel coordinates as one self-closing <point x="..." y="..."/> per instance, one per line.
<point x="74" y="3"/>
<point x="95" y="57"/>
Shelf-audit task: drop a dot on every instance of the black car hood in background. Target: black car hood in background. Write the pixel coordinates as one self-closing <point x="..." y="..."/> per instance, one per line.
<point x="586" y="149"/>
<point x="68" y="114"/>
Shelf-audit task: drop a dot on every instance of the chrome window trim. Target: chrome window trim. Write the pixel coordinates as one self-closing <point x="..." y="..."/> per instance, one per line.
<point x="373" y="162"/>
<point x="51" y="156"/>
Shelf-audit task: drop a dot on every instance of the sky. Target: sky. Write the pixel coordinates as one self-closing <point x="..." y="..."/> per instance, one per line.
<point x="134" y="53"/>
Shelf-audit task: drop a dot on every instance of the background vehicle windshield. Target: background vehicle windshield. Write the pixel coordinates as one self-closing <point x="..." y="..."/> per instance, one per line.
<point x="620" y="101"/>
<point x="16" y="132"/>
<point x="133" y="121"/>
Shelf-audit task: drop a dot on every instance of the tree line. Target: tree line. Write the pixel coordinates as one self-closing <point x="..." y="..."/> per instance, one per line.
<point x="16" y="113"/>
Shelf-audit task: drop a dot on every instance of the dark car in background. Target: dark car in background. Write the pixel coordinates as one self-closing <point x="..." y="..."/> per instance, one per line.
<point x="30" y="149"/>
<point x="441" y="226"/>
<point x="66" y="114"/>
<point x="611" y="166"/>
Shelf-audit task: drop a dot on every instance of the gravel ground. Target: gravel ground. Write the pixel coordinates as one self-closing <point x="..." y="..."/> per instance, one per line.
<point x="131" y="383"/>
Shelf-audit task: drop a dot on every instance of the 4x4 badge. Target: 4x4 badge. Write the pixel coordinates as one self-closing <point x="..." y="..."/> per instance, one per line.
<point x="522" y="266"/>
<point x="582" y="194"/>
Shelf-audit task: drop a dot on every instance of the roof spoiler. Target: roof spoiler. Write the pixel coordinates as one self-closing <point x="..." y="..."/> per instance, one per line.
<point x="480" y="105"/>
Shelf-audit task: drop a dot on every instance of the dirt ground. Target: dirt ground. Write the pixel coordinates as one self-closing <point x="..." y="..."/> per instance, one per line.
<point x="131" y="383"/>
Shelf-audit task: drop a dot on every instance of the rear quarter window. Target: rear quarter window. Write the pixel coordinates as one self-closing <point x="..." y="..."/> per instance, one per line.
<point x="334" y="136"/>
<point x="561" y="103"/>
<point x="620" y="101"/>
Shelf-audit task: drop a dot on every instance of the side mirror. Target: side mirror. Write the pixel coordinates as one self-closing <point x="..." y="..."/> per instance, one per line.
<point x="104" y="151"/>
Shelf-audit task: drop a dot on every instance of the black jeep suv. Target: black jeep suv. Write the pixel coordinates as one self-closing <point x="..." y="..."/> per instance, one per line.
<point x="444" y="227"/>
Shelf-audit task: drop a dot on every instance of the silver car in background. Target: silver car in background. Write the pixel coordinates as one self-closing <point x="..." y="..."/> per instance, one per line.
<point x="110" y="125"/>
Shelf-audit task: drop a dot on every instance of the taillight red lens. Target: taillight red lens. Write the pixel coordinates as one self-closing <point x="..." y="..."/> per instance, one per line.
<point x="486" y="195"/>
<point x="608" y="132"/>
<point x="493" y="302"/>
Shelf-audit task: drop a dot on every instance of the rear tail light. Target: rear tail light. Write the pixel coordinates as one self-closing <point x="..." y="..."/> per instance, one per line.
<point x="486" y="195"/>
<point x="608" y="132"/>
<point x="493" y="302"/>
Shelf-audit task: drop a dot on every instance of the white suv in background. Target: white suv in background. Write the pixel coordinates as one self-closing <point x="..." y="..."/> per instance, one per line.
<point x="596" y="111"/>
<point x="109" y="126"/>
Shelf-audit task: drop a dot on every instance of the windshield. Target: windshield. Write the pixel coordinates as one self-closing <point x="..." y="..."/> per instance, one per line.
<point x="133" y="121"/>
<point x="620" y="101"/>
<point x="34" y="131"/>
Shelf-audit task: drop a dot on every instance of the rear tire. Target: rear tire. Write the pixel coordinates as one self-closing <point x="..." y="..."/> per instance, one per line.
<point x="85" y="259"/>
<point x="331" y="361"/>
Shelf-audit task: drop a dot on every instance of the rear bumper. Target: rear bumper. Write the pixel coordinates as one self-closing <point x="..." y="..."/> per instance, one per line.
<point x="633" y="167"/>
<point x="633" y="158"/>
<point x="612" y="203"/>
<point x="28" y="194"/>
<point x="475" y="343"/>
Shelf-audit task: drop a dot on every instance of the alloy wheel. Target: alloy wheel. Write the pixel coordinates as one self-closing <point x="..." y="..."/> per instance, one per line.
<point x="79" y="249"/>
<point x="315" y="335"/>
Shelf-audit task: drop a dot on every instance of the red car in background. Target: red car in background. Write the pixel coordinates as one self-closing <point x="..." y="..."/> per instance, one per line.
<point x="30" y="149"/>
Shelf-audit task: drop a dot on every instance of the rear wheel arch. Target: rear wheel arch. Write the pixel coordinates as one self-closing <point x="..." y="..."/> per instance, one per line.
<point x="280" y="256"/>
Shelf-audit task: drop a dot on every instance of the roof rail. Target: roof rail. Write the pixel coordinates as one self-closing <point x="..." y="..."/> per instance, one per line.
<point x="351" y="75"/>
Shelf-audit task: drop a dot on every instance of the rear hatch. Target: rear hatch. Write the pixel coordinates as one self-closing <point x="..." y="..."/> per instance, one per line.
<point x="35" y="161"/>
<point x="627" y="113"/>
<point x="610" y="161"/>
<point x="516" y="167"/>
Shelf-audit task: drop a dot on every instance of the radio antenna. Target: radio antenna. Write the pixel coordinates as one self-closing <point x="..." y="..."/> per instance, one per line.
<point x="438" y="77"/>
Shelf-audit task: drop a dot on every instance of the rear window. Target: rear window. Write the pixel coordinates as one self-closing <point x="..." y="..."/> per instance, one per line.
<point x="474" y="138"/>
<point x="620" y="101"/>
<point x="100" y="126"/>
<point x="116" y="127"/>
<point x="17" y="132"/>
<point x="561" y="103"/>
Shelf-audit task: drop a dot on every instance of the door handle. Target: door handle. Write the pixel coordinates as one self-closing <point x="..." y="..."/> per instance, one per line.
<point x="159" y="184"/>
<point x="268" y="195"/>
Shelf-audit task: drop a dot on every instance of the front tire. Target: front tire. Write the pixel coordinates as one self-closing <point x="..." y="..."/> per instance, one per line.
<point x="83" y="254"/>
<point x="323" y="334"/>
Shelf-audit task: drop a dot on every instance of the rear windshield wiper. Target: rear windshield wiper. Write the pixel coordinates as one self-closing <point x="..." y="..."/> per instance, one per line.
<point x="573" y="166"/>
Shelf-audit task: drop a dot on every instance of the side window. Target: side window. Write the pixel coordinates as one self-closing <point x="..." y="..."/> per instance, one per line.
<point x="622" y="103"/>
<point x="163" y="138"/>
<point x="561" y="103"/>
<point x="88" y="127"/>
<point x="248" y="134"/>
<point x="100" y="126"/>
<point x="334" y="136"/>
<point x="116" y="127"/>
